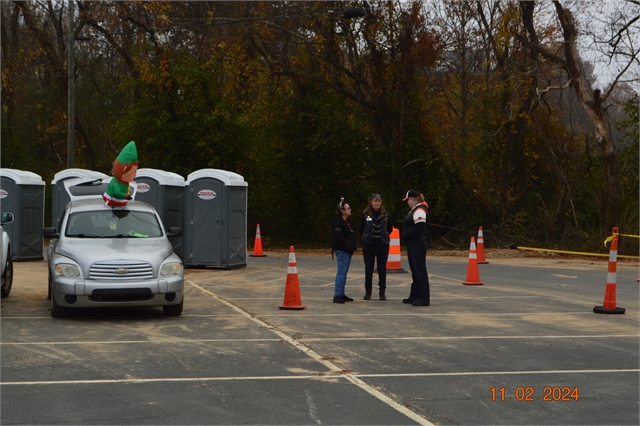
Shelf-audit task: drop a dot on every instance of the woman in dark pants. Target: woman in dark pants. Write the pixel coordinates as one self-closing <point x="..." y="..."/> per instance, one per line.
<point x="375" y="227"/>
<point x="417" y="238"/>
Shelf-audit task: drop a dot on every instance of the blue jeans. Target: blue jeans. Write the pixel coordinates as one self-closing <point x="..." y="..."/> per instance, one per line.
<point x="417" y="254"/>
<point x="344" y="260"/>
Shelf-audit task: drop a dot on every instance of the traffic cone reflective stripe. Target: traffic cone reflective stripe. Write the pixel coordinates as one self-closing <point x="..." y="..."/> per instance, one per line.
<point x="257" y="246"/>
<point x="292" y="290"/>
<point x="609" y="303"/>
<point x="394" y="261"/>
<point x="473" y="275"/>
<point x="480" y="248"/>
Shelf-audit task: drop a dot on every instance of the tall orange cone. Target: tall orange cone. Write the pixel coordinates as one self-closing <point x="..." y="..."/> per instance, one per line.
<point x="480" y="248"/>
<point x="292" y="291"/>
<point x="257" y="246"/>
<point x="473" y="275"/>
<point x="394" y="262"/>
<point x="609" y="304"/>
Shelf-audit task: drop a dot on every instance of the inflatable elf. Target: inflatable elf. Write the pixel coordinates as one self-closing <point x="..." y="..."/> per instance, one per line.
<point x="124" y="171"/>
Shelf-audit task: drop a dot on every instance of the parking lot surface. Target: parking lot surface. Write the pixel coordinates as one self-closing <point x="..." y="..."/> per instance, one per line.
<point x="524" y="348"/>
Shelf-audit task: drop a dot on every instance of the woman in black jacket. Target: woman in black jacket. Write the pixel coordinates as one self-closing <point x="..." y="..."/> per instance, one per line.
<point x="375" y="228"/>
<point x="417" y="238"/>
<point x="343" y="245"/>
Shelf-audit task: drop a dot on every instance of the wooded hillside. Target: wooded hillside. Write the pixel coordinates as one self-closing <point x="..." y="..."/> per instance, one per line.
<point x="490" y="108"/>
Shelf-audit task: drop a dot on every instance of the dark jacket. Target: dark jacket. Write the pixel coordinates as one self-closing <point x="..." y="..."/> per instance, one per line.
<point x="413" y="233"/>
<point x="343" y="238"/>
<point x="375" y="231"/>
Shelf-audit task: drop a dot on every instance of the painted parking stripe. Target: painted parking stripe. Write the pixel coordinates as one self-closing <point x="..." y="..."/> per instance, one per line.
<point x="317" y="339"/>
<point x="414" y="313"/>
<point x="503" y="373"/>
<point x="319" y="376"/>
<point x="331" y="366"/>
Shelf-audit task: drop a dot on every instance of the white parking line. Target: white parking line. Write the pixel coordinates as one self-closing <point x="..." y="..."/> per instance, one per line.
<point x="502" y="373"/>
<point x="380" y="314"/>
<point x="321" y="377"/>
<point x="317" y="339"/>
<point x="456" y="297"/>
<point x="331" y="366"/>
<point x="608" y="336"/>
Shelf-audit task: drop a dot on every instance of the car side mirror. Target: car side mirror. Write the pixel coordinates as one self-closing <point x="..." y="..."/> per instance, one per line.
<point x="174" y="231"/>
<point x="50" y="233"/>
<point x="6" y="217"/>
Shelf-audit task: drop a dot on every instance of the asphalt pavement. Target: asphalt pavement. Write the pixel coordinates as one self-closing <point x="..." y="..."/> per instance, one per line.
<point x="523" y="348"/>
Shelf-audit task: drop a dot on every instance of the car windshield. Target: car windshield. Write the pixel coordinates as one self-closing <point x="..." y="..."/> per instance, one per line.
<point x="113" y="224"/>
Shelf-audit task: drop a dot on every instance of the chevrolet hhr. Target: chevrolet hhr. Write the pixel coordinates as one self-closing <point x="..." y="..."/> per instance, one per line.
<point x="104" y="256"/>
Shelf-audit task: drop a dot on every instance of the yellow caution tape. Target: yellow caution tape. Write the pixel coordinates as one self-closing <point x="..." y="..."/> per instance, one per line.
<point x="622" y="235"/>
<point x="575" y="253"/>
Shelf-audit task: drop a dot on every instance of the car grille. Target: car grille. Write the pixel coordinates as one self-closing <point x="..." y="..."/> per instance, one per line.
<point x="120" y="270"/>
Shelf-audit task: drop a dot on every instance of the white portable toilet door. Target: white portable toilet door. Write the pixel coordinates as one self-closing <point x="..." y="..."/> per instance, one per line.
<point x="206" y="222"/>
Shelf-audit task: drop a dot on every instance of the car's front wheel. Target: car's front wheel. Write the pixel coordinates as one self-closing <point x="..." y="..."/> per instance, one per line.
<point x="50" y="286"/>
<point x="7" y="277"/>
<point x="58" y="311"/>
<point x="174" y="310"/>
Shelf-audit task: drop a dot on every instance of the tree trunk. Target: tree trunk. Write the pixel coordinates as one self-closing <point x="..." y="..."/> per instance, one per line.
<point x="592" y="103"/>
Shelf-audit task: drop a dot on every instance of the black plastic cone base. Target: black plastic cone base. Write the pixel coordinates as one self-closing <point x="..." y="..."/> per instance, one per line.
<point x="396" y="271"/>
<point x="602" y="310"/>
<point x="257" y="255"/>
<point x="298" y="307"/>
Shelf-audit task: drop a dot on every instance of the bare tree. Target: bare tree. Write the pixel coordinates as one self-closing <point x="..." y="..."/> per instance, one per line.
<point x="592" y="99"/>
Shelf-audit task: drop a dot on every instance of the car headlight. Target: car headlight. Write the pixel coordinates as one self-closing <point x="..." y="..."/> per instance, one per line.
<point x="171" y="268"/>
<point x="67" y="270"/>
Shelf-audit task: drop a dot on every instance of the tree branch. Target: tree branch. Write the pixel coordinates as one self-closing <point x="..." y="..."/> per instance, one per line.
<point x="538" y="91"/>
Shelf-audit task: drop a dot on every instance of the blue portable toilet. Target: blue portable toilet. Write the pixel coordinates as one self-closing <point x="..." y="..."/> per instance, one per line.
<point x="22" y="193"/>
<point x="164" y="191"/>
<point x="216" y="219"/>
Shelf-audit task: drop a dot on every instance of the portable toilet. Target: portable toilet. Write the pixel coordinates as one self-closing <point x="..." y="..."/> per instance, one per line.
<point x="59" y="194"/>
<point x="164" y="191"/>
<point x="216" y="219"/>
<point x="22" y="193"/>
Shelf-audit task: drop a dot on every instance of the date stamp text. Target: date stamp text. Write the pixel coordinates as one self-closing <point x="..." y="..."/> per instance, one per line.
<point x="528" y="393"/>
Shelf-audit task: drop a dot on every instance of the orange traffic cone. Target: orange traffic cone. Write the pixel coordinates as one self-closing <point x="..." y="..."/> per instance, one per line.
<point x="394" y="262"/>
<point x="481" y="259"/>
<point x="473" y="275"/>
<point x="609" y="304"/>
<point x="257" y="246"/>
<point x="292" y="291"/>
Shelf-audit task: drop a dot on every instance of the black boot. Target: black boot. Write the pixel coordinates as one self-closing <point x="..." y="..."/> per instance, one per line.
<point x="382" y="295"/>
<point x="367" y="295"/>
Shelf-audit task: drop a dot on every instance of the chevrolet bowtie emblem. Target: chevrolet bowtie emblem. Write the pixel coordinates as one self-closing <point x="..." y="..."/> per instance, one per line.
<point x="121" y="271"/>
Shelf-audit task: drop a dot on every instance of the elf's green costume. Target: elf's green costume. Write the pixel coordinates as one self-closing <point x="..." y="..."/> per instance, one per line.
<point x="124" y="171"/>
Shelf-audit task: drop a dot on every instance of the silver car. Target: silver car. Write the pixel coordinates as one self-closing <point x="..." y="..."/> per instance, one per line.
<point x="112" y="256"/>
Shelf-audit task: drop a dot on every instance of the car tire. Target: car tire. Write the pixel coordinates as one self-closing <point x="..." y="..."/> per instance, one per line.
<point x="7" y="278"/>
<point x="58" y="311"/>
<point x="174" y="310"/>
<point x="50" y="286"/>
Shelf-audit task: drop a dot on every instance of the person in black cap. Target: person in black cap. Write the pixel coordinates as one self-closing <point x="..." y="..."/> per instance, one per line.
<point x="375" y="227"/>
<point x="343" y="245"/>
<point x="415" y="232"/>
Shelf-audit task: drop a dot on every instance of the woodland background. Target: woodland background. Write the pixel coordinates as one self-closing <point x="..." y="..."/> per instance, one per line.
<point x="500" y="112"/>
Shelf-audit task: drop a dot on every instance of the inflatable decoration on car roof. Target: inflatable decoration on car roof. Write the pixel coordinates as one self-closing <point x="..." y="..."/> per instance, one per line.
<point x="124" y="171"/>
